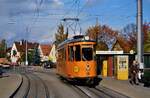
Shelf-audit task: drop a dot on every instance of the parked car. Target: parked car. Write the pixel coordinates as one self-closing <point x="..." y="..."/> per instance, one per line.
<point x="6" y="66"/>
<point x="48" y="64"/>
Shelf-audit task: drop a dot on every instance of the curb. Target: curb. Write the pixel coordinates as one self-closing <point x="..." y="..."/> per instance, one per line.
<point x="19" y="85"/>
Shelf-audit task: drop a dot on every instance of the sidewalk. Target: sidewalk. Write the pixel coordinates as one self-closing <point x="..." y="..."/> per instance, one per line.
<point x="124" y="87"/>
<point x="8" y="84"/>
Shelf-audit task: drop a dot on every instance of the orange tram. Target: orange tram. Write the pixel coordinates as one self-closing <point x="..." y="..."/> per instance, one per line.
<point x="76" y="60"/>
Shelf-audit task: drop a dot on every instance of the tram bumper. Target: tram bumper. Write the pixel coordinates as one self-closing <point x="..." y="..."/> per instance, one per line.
<point x="93" y="81"/>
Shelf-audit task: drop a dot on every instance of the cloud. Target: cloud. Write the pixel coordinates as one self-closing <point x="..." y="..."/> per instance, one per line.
<point x="90" y="3"/>
<point x="8" y="35"/>
<point x="57" y="4"/>
<point x="15" y="7"/>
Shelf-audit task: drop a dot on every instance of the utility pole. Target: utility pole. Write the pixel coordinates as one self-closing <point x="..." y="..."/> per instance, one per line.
<point x="97" y="21"/>
<point x="97" y="24"/>
<point x="26" y="62"/>
<point x="26" y="46"/>
<point x="140" y="43"/>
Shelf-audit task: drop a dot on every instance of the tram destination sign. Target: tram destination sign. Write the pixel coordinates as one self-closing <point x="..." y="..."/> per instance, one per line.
<point x="109" y="52"/>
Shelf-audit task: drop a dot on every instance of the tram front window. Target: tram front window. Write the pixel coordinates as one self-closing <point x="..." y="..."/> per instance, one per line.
<point x="87" y="54"/>
<point x="77" y="53"/>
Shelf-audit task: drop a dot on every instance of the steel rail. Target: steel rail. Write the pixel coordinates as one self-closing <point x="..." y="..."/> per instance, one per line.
<point x="45" y="86"/>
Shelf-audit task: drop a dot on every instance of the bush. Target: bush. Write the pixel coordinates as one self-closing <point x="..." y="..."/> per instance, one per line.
<point x="146" y="78"/>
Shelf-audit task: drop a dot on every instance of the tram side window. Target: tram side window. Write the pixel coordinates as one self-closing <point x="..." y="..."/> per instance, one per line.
<point x="59" y="55"/>
<point x="71" y="53"/>
<point x="77" y="53"/>
<point x="62" y="54"/>
<point x="87" y="54"/>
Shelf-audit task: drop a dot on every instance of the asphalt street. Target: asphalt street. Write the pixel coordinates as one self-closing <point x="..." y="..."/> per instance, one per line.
<point x="45" y="83"/>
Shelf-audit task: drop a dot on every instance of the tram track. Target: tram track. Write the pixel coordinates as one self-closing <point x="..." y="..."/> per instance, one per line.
<point x="109" y="92"/>
<point x="45" y="86"/>
<point x="36" y="81"/>
<point x="97" y="92"/>
<point x="100" y="92"/>
<point x="28" y="87"/>
<point x="23" y="89"/>
<point x="32" y="86"/>
<point x="87" y="93"/>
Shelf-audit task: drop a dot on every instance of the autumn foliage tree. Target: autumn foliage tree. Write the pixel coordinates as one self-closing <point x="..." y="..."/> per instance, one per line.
<point x="93" y="31"/>
<point x="3" y="47"/>
<point x="60" y="36"/>
<point x="146" y="30"/>
<point x="129" y="32"/>
<point x="104" y="35"/>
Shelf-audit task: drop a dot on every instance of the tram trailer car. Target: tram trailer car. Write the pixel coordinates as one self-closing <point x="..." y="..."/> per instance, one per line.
<point x="76" y="60"/>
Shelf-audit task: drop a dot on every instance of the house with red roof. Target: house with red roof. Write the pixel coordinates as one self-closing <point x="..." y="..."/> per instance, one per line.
<point x="121" y="45"/>
<point x="47" y="52"/>
<point x="18" y="50"/>
<point x="44" y="50"/>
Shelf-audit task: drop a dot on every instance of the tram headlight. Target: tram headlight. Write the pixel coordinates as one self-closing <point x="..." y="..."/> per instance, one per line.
<point x="76" y="69"/>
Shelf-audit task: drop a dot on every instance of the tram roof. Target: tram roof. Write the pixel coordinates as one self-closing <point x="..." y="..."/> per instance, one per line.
<point x="71" y="40"/>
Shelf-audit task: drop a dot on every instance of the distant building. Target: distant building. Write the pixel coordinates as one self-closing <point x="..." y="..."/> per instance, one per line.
<point x="52" y="55"/>
<point x="121" y="45"/>
<point x="44" y="51"/>
<point x="47" y="52"/>
<point x="18" y="51"/>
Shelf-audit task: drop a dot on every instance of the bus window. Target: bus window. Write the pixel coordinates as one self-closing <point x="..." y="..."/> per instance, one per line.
<point x="87" y="54"/>
<point x="77" y="53"/>
<point x="71" y="53"/>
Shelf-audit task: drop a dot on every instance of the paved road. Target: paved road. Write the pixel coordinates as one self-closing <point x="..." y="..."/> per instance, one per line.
<point x="8" y="84"/>
<point x="39" y="83"/>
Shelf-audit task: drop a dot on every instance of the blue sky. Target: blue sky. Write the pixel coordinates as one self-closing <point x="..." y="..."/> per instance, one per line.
<point x="37" y="20"/>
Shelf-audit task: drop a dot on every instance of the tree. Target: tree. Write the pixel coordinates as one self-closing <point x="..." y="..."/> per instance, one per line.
<point x="104" y="35"/>
<point x="146" y="29"/>
<point x="36" y="57"/>
<point x="31" y="56"/>
<point x="3" y="47"/>
<point x="93" y="31"/>
<point x="130" y="34"/>
<point x="22" y="57"/>
<point x="60" y="36"/>
<point x="147" y="43"/>
<point x="102" y="46"/>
